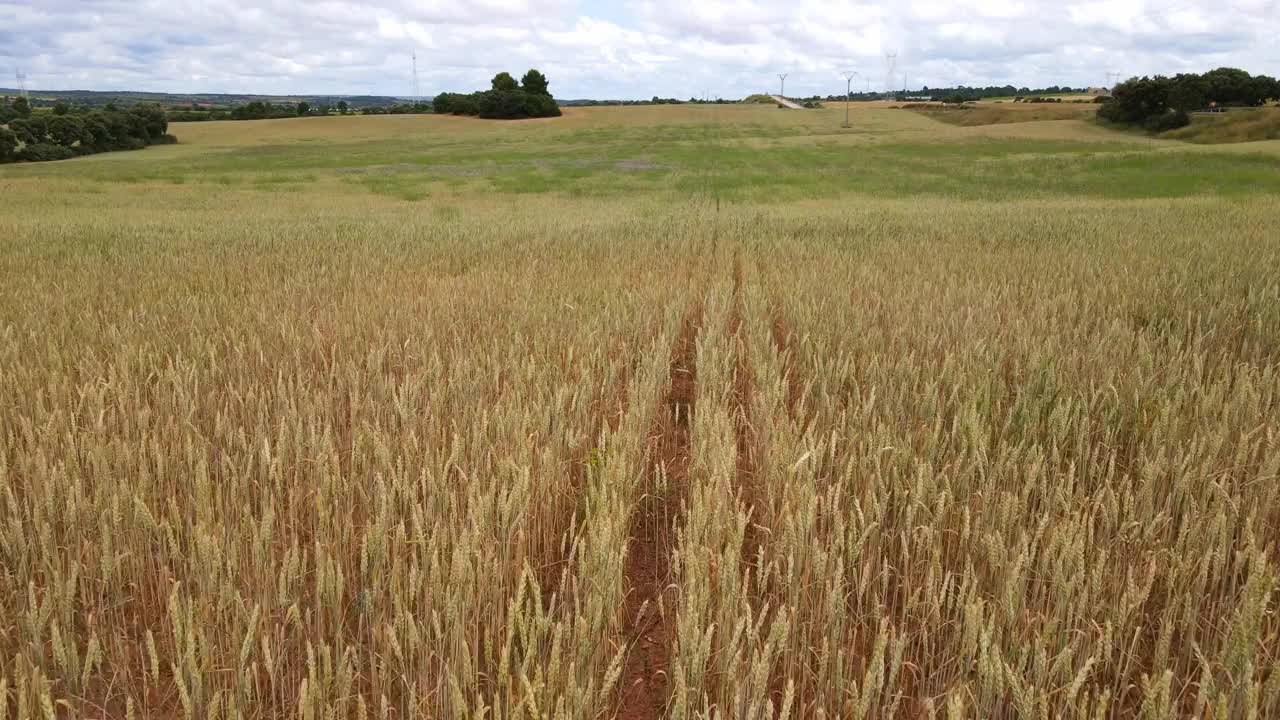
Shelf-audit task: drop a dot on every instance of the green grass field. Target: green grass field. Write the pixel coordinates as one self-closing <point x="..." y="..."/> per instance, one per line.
<point x="678" y="411"/>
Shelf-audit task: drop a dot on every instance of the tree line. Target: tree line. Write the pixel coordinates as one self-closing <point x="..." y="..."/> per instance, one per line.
<point x="506" y="99"/>
<point x="1162" y="103"/>
<point x="654" y="101"/>
<point x="962" y="93"/>
<point x="70" y="132"/>
<point x="266" y="110"/>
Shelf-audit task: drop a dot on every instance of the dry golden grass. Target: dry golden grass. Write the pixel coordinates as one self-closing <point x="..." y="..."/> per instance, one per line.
<point x="331" y="453"/>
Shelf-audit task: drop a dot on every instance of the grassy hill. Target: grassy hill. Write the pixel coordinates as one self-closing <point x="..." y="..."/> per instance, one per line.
<point x="1230" y="127"/>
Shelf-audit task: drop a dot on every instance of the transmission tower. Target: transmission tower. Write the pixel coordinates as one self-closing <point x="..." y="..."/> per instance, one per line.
<point x="22" y="83"/>
<point x="782" y="92"/>
<point x="849" y="75"/>
<point x="1113" y="79"/>
<point x="891" y="65"/>
<point x="417" y="94"/>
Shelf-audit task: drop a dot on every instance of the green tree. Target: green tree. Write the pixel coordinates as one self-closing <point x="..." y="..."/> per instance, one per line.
<point x="304" y="108"/>
<point x="67" y="131"/>
<point x="342" y="106"/>
<point x="29" y="130"/>
<point x="152" y="119"/>
<point x="535" y="83"/>
<point x="8" y="145"/>
<point x="98" y="130"/>
<point x="60" y="108"/>
<point x="503" y="82"/>
<point x="1136" y="100"/>
<point x="1266" y="88"/>
<point x="503" y="105"/>
<point x="1188" y="92"/>
<point x="1231" y="86"/>
<point x="21" y="107"/>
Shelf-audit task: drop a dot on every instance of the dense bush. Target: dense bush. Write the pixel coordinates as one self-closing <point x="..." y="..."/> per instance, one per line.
<point x="81" y="132"/>
<point x="504" y="100"/>
<point x="40" y="152"/>
<point x="1171" y="120"/>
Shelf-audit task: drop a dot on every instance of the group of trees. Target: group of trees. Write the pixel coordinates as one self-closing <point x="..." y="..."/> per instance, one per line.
<point x="68" y="132"/>
<point x="1161" y="103"/>
<point x="504" y="100"/>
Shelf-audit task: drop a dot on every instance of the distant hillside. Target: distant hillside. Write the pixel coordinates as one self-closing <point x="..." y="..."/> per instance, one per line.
<point x="95" y="98"/>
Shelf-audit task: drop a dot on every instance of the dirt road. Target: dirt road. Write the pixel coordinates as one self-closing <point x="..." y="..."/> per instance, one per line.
<point x="786" y="103"/>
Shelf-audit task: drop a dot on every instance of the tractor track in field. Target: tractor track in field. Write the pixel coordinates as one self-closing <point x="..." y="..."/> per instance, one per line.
<point x="649" y="622"/>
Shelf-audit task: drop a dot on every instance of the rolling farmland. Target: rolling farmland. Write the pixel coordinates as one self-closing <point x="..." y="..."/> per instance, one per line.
<point x="687" y="412"/>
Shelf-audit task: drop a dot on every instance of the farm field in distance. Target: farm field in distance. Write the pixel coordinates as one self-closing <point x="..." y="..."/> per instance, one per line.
<point x="677" y="411"/>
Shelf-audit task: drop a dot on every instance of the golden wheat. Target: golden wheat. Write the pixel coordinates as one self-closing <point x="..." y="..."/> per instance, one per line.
<point x="334" y="455"/>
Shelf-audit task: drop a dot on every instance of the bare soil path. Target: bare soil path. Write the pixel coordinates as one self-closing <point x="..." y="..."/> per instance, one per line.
<point x="644" y="687"/>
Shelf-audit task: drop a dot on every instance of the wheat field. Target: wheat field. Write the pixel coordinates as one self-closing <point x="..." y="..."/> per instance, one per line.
<point x="648" y="412"/>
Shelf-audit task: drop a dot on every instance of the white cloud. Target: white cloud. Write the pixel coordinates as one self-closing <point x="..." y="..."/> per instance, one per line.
<point x="607" y="48"/>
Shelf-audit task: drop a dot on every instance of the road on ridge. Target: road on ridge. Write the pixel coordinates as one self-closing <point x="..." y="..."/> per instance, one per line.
<point x="786" y="103"/>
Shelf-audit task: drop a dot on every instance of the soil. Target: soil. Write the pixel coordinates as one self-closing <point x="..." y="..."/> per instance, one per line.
<point x="644" y="687"/>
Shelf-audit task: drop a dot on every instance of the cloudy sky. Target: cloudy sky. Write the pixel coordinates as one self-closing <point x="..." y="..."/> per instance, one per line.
<point x="616" y="49"/>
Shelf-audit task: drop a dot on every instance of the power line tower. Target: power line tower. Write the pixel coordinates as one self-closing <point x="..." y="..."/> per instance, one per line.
<point x="417" y="93"/>
<point x="782" y="91"/>
<point x="22" y="83"/>
<point x="891" y="65"/>
<point x="1113" y="79"/>
<point x="848" y="93"/>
